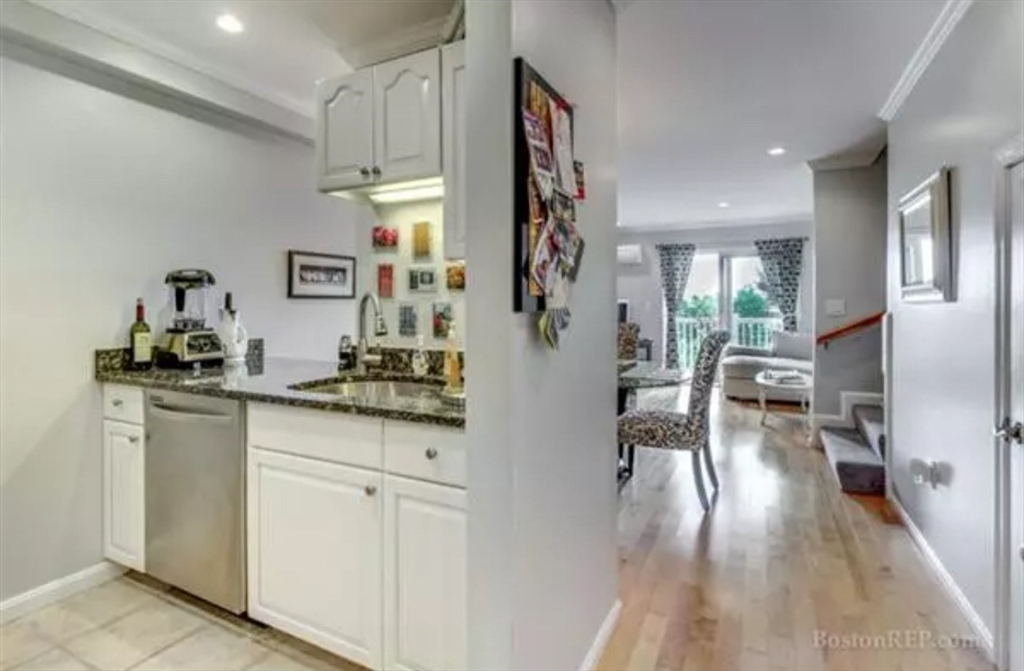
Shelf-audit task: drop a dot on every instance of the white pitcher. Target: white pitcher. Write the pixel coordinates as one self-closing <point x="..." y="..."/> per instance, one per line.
<point x="233" y="336"/>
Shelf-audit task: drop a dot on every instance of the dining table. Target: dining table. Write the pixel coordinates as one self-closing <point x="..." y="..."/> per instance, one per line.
<point x="634" y="375"/>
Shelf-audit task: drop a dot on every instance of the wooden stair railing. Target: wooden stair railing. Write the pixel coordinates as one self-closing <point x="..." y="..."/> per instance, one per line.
<point x="848" y="329"/>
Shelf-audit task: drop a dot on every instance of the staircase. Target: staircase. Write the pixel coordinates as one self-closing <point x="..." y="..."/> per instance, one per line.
<point x="857" y="456"/>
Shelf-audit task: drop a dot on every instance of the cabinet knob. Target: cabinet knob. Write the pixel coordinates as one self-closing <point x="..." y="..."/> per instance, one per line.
<point x="370" y="490"/>
<point x="365" y="172"/>
<point x="133" y="439"/>
<point x="117" y="403"/>
<point x="431" y="453"/>
<point x="376" y="172"/>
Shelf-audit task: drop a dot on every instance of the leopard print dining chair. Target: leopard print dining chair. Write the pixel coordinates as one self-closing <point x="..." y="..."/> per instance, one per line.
<point x="678" y="431"/>
<point x="629" y="335"/>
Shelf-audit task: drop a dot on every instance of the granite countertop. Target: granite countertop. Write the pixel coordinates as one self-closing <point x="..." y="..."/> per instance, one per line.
<point x="274" y="380"/>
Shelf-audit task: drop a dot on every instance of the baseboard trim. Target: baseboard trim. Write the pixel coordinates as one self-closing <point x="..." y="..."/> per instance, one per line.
<point x="601" y="640"/>
<point x="937" y="567"/>
<point x="58" y="589"/>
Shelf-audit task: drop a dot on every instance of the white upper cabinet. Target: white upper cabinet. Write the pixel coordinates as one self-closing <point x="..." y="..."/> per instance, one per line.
<point x="344" y="127"/>
<point x="380" y="125"/>
<point x="453" y="116"/>
<point x="407" y="117"/>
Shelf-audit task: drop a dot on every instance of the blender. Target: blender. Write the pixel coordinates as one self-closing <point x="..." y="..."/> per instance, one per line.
<point x="187" y="340"/>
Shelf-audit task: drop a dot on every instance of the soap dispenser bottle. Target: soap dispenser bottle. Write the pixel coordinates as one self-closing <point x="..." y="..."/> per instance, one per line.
<point x="419" y="359"/>
<point x="452" y="365"/>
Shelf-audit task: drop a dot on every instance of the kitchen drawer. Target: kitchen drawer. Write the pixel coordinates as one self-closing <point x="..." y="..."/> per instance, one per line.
<point x="124" y="404"/>
<point x="331" y="436"/>
<point x="425" y="452"/>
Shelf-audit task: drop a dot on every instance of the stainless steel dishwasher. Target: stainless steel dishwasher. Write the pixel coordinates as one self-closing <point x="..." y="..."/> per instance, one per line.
<point x="195" y="495"/>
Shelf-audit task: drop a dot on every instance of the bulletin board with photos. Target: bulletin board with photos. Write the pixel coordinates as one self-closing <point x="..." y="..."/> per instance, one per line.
<point x="548" y="245"/>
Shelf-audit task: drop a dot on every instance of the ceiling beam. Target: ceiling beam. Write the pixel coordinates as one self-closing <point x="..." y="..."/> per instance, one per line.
<point x="51" y="41"/>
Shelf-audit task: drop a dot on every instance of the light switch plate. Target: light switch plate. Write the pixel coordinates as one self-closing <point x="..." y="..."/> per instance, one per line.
<point x="835" y="307"/>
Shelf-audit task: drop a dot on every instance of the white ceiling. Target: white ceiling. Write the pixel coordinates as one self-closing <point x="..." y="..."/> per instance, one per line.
<point x="707" y="86"/>
<point x="286" y="46"/>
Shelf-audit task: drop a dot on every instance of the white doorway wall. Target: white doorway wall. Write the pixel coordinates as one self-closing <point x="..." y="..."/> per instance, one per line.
<point x="1010" y="414"/>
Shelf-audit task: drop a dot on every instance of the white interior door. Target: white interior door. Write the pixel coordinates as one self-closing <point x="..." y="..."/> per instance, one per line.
<point x="1016" y="414"/>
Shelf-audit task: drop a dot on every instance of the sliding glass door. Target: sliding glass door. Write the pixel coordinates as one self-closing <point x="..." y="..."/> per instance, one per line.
<point x="753" y="317"/>
<point x="700" y="311"/>
<point x="725" y="291"/>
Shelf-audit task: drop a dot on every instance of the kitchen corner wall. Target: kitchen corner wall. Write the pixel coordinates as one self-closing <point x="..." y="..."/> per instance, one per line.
<point x="968" y="104"/>
<point x="101" y="196"/>
<point x="402" y="216"/>
<point x="542" y="552"/>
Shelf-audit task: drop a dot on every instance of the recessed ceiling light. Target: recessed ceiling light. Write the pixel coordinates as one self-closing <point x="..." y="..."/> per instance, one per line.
<point x="229" y="23"/>
<point x="723" y="204"/>
<point x="776" y="151"/>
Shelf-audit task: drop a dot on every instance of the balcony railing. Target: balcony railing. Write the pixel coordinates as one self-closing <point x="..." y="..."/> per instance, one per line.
<point x="746" y="332"/>
<point x="755" y="331"/>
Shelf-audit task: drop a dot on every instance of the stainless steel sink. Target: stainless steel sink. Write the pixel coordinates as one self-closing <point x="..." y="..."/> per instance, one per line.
<point x="374" y="389"/>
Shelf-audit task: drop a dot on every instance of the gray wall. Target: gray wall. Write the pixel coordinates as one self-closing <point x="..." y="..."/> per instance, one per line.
<point x="101" y="196"/>
<point x="850" y="238"/>
<point x="641" y="284"/>
<point x="543" y="564"/>
<point x="967" y="104"/>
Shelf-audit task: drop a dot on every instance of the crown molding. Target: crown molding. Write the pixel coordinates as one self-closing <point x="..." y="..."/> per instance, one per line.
<point x="124" y="33"/>
<point x="400" y="43"/>
<point x="947" y="19"/>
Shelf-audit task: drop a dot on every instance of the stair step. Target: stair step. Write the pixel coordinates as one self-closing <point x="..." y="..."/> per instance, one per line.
<point x="870" y="420"/>
<point x="857" y="467"/>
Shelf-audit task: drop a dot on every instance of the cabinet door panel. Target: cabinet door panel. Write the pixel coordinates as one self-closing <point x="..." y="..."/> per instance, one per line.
<point x="407" y="117"/>
<point x="315" y="552"/>
<point x="124" y="499"/>
<point x="424" y="575"/>
<point x="453" y="115"/>
<point x="344" y="125"/>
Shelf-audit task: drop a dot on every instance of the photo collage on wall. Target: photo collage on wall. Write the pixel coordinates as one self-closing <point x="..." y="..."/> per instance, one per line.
<point x="415" y="279"/>
<point x="551" y="247"/>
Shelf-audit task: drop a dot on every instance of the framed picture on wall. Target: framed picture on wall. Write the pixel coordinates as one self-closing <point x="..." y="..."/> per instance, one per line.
<point x="316" y="275"/>
<point x="422" y="279"/>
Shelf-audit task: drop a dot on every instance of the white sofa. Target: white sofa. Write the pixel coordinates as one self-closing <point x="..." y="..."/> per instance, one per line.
<point x="791" y="351"/>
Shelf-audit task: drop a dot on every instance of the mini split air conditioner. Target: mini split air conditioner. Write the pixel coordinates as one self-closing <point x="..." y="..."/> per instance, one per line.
<point x="630" y="255"/>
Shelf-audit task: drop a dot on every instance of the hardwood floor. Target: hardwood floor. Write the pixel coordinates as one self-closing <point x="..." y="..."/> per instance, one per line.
<point x="782" y="560"/>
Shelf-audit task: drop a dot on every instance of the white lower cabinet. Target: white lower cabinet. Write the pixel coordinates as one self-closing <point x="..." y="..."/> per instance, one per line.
<point x="124" y="494"/>
<point x="315" y="552"/>
<point x="363" y="561"/>
<point x="424" y="575"/>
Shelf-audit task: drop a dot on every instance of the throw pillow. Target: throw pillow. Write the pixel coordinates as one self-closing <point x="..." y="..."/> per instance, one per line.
<point x="793" y="345"/>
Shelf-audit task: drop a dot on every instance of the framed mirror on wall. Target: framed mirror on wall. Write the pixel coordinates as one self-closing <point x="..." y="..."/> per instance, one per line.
<point x="926" y="241"/>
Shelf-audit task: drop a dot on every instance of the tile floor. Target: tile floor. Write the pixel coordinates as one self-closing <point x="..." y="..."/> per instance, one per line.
<point x="133" y="623"/>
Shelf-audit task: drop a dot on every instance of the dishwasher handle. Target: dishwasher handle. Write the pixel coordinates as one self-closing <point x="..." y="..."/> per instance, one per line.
<point x="176" y="414"/>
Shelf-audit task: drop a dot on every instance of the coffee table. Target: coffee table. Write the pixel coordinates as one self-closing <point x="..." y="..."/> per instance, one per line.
<point x="803" y="388"/>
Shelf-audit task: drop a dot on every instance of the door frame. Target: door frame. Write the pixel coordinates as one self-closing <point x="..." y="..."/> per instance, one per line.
<point x="1008" y="155"/>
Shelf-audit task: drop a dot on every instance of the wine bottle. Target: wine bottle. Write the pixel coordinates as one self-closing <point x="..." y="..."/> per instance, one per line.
<point x="140" y="339"/>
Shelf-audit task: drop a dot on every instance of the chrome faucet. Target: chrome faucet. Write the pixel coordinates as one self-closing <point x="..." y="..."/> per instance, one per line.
<point x="363" y="357"/>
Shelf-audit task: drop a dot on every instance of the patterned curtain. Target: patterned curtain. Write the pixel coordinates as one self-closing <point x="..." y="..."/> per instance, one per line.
<point x="782" y="260"/>
<point x="676" y="261"/>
